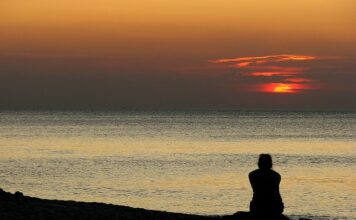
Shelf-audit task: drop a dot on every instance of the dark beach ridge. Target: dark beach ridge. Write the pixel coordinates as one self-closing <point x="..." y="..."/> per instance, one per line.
<point x="18" y="206"/>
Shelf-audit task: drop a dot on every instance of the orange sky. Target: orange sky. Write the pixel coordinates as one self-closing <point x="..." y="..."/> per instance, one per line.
<point x="175" y="38"/>
<point x="95" y="24"/>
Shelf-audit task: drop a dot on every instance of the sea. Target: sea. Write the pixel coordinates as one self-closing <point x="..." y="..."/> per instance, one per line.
<point x="182" y="161"/>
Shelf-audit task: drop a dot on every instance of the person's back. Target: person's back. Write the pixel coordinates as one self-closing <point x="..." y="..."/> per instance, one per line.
<point x="265" y="184"/>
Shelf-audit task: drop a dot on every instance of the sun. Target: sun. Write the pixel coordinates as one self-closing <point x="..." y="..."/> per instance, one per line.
<point x="283" y="88"/>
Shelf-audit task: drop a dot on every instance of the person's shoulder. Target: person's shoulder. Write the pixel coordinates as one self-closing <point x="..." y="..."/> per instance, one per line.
<point x="275" y="173"/>
<point x="254" y="172"/>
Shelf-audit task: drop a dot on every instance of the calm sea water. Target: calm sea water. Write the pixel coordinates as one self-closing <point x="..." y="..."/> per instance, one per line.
<point x="182" y="161"/>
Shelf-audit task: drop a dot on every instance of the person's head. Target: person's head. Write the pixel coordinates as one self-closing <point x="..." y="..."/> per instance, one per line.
<point x="265" y="161"/>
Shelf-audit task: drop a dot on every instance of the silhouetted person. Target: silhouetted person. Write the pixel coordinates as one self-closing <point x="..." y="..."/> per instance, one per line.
<point x="267" y="200"/>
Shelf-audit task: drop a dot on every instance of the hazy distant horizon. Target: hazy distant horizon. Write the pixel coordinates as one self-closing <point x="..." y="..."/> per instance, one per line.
<point x="138" y="109"/>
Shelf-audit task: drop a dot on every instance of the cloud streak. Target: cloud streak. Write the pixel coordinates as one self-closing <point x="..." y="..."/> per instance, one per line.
<point x="246" y="61"/>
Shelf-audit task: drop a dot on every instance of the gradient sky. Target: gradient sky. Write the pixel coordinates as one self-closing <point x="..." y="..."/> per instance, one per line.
<point x="178" y="54"/>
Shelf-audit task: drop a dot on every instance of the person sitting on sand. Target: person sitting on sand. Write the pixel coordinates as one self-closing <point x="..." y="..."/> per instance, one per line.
<point x="266" y="200"/>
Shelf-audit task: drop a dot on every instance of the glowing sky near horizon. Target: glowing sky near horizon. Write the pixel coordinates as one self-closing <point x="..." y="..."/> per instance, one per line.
<point x="178" y="54"/>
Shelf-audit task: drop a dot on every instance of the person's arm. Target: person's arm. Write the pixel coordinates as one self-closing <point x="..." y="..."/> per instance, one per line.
<point x="279" y="178"/>
<point x="251" y="179"/>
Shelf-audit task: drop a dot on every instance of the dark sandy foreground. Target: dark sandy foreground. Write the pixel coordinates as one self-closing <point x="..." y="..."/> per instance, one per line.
<point x="17" y="206"/>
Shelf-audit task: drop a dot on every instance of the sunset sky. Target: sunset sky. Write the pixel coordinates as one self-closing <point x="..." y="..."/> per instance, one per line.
<point x="238" y="54"/>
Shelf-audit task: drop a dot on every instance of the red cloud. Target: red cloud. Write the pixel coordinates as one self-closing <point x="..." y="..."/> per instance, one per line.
<point x="271" y="66"/>
<point x="247" y="61"/>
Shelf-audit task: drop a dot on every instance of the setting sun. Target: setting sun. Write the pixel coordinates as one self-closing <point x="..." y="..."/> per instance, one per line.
<point x="283" y="88"/>
<point x="286" y="88"/>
